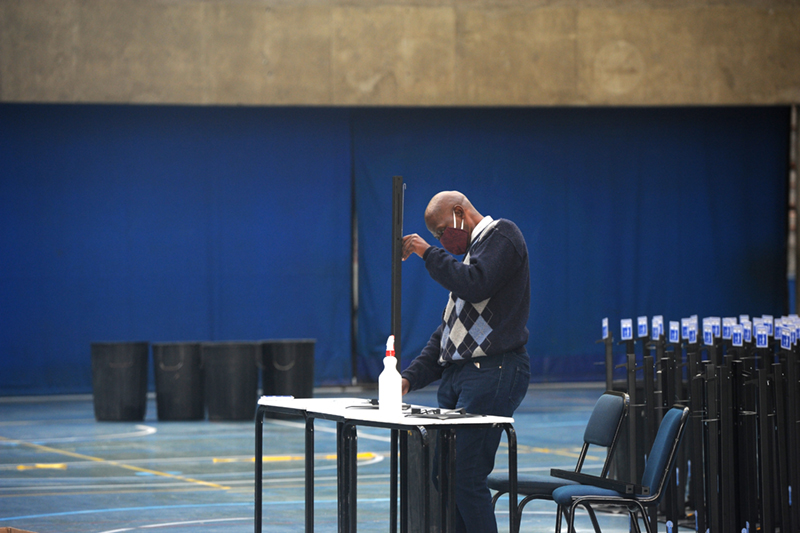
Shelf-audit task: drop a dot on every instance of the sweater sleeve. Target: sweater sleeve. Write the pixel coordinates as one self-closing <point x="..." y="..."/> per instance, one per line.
<point x="482" y="276"/>
<point x="425" y="369"/>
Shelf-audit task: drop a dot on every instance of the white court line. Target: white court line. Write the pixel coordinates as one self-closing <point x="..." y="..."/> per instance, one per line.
<point x="185" y="523"/>
<point x="141" y="431"/>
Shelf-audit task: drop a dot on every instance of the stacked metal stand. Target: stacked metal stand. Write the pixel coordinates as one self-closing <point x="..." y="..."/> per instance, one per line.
<point x="739" y="465"/>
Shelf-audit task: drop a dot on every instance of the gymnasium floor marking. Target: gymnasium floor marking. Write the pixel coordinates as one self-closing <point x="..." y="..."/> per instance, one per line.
<point x="114" y="463"/>
<point x="219" y="471"/>
<point x="361" y="456"/>
<point x="141" y="431"/>
<point x="184" y="523"/>
<point x="187" y="506"/>
<point x="51" y="466"/>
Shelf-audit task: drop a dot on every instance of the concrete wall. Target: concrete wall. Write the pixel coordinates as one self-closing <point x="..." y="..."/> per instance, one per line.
<point x="401" y="52"/>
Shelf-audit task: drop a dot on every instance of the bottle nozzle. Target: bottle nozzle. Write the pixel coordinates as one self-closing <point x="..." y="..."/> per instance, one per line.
<point x="390" y="346"/>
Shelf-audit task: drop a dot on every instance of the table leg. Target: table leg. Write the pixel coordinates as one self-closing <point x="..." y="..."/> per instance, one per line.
<point x="513" y="510"/>
<point x="426" y="479"/>
<point x="258" y="459"/>
<point x="447" y="473"/>
<point x="341" y="479"/>
<point x="346" y="475"/>
<point x="393" y="482"/>
<point x="351" y="451"/>
<point x="309" y="465"/>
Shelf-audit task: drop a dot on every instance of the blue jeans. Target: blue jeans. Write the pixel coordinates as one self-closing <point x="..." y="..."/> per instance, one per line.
<point x="496" y="388"/>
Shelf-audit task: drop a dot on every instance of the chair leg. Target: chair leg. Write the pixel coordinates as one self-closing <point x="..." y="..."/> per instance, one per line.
<point x="634" y="519"/>
<point x="496" y="497"/>
<point x="571" y="518"/>
<point x="559" y="510"/>
<point x="645" y="518"/>
<point x="522" y="505"/>
<point x="593" y="518"/>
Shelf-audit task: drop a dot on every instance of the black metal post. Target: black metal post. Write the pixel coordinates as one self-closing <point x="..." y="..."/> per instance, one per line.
<point x="793" y="427"/>
<point x="782" y="473"/>
<point x="712" y="444"/>
<point x="259" y="465"/>
<point x="727" y="469"/>
<point x="309" y="472"/>
<point x="393" y="444"/>
<point x="698" y="414"/>
<point x="671" y="510"/>
<point x="397" y="255"/>
<point x="766" y="450"/>
<point x="609" y="349"/>
<point x="633" y="413"/>
<point x="747" y="437"/>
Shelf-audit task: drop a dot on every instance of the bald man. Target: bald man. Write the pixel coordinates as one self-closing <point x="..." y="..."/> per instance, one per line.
<point x="478" y="349"/>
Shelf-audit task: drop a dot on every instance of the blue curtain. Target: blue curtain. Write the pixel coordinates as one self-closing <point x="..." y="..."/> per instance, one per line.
<point x="169" y="224"/>
<point x="626" y="212"/>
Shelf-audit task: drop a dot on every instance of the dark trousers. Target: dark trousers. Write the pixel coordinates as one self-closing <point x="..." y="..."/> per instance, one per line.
<point x="497" y="387"/>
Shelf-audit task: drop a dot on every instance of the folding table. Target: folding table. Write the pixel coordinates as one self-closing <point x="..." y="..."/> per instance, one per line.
<point x="349" y="413"/>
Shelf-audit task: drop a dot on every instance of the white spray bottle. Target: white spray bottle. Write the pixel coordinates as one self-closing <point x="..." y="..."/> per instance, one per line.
<point x="390" y="387"/>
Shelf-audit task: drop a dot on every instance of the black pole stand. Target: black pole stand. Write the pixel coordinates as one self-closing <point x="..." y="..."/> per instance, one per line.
<point x="747" y="439"/>
<point x="672" y="511"/>
<point x="713" y="448"/>
<point x="633" y="412"/>
<point x="793" y="426"/>
<point x="698" y="414"/>
<point x="397" y="254"/>
<point x="766" y="428"/>
<point x="727" y="466"/>
<point x="609" y="353"/>
<point x="742" y="366"/>
<point x="782" y="471"/>
<point x="650" y="408"/>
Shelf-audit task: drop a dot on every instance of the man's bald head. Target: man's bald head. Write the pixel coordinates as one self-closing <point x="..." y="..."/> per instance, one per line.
<point x="445" y="201"/>
<point x="441" y="208"/>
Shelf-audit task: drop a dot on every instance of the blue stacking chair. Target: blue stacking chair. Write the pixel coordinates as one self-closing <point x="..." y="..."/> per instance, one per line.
<point x="602" y="430"/>
<point x="593" y="490"/>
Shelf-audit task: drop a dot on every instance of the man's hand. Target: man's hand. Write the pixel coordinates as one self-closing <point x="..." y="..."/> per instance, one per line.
<point x="406" y="386"/>
<point x="414" y="244"/>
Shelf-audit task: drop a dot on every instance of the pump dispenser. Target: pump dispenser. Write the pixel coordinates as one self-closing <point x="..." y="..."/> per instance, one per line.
<point x="390" y="388"/>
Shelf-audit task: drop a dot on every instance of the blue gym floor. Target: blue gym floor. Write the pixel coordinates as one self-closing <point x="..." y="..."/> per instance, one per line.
<point x="63" y="472"/>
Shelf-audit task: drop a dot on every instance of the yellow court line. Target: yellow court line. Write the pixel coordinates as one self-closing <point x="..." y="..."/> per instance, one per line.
<point x="363" y="456"/>
<point x="114" y="463"/>
<point x="521" y="448"/>
<point x="97" y="492"/>
<point x="51" y="466"/>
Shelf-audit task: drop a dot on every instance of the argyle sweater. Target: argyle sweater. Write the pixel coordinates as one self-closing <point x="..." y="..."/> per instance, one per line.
<point x="487" y="309"/>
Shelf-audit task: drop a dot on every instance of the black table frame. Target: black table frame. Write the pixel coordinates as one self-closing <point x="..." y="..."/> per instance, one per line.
<point x="346" y="468"/>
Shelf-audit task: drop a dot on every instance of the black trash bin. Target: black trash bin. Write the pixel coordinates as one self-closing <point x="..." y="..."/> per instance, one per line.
<point x="231" y="379"/>
<point x="288" y="367"/>
<point x="119" y="380"/>
<point x="179" y="381"/>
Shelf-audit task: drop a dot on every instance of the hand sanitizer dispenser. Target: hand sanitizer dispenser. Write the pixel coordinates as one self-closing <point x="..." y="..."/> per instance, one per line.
<point x="390" y="388"/>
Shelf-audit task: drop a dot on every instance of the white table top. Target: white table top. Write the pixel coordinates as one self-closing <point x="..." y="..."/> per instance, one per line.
<point x="360" y="410"/>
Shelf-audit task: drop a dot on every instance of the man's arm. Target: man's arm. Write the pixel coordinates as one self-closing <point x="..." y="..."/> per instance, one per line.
<point x="485" y="273"/>
<point x="425" y="369"/>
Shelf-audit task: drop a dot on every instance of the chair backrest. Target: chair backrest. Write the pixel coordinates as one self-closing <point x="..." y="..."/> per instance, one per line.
<point x="663" y="452"/>
<point x="604" y="425"/>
